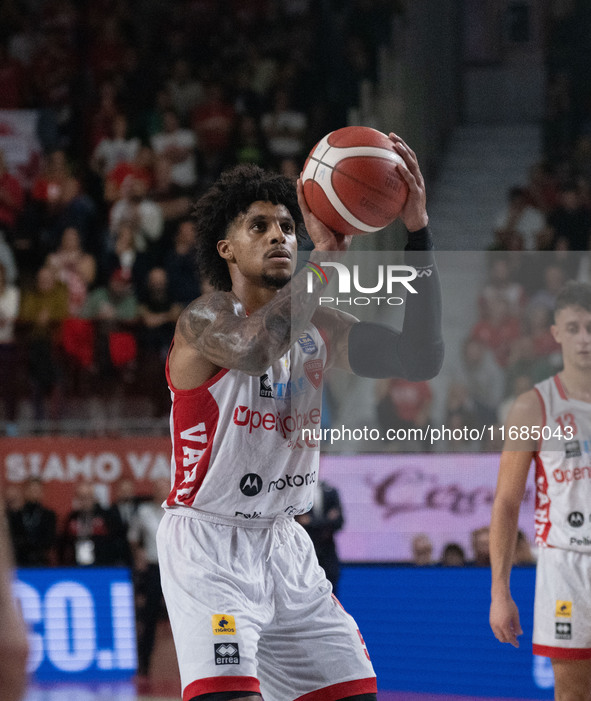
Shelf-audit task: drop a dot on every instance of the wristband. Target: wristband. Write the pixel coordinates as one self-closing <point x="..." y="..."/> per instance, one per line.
<point x="420" y="240"/>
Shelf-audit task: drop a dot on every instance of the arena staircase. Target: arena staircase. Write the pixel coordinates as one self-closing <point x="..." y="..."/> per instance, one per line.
<point x="481" y="163"/>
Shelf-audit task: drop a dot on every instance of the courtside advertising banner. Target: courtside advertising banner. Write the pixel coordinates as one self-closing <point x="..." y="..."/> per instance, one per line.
<point x="386" y="499"/>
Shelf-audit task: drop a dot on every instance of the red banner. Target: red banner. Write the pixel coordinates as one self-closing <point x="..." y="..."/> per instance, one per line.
<point x="61" y="462"/>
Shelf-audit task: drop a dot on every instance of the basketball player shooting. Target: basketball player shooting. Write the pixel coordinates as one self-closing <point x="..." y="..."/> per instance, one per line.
<point x="552" y="424"/>
<point x="251" y="610"/>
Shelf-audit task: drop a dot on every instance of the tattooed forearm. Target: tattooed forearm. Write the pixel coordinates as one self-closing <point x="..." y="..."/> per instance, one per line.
<point x="218" y="327"/>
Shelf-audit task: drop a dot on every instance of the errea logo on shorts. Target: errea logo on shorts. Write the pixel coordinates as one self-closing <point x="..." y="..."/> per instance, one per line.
<point x="222" y="624"/>
<point x="226" y="653"/>
<point x="563" y="631"/>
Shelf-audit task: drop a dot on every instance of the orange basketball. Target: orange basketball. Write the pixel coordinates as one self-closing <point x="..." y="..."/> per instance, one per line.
<point x="351" y="181"/>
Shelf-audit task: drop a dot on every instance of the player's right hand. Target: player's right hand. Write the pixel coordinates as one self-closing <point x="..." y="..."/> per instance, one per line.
<point x="322" y="237"/>
<point x="504" y="620"/>
<point x="414" y="213"/>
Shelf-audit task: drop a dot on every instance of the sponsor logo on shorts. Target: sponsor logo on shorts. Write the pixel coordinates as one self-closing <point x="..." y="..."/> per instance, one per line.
<point x="564" y="609"/>
<point x="307" y="343"/>
<point x="255" y="514"/>
<point x="251" y="484"/>
<point x="576" y="519"/>
<point x="563" y="631"/>
<point x="572" y="449"/>
<point x="223" y="624"/>
<point x="226" y="653"/>
<point x="266" y="389"/>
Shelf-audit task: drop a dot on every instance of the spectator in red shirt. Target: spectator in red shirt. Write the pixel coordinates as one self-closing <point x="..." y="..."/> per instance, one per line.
<point x="140" y="168"/>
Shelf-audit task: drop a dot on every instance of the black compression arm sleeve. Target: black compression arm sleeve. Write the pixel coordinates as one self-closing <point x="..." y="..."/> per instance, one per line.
<point x="416" y="352"/>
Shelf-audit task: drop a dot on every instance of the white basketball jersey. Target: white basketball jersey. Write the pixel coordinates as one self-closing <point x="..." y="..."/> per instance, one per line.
<point x="238" y="449"/>
<point x="563" y="470"/>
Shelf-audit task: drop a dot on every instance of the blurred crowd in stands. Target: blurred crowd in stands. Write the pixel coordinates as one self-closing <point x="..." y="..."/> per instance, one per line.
<point x="454" y="555"/>
<point x="140" y="106"/>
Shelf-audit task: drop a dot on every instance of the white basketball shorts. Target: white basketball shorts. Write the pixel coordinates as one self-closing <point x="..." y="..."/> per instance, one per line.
<point x="562" y="611"/>
<point x="251" y="610"/>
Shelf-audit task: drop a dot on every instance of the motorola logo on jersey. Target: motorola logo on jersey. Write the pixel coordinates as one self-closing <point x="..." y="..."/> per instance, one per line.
<point x="576" y="519"/>
<point x="292" y="481"/>
<point x="251" y="484"/>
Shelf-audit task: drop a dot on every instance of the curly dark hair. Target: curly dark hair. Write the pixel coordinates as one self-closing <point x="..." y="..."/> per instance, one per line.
<point x="232" y="194"/>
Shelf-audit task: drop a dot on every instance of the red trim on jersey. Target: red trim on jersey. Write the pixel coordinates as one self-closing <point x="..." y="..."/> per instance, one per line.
<point x="210" y="685"/>
<point x="563" y="653"/>
<point x="560" y="387"/>
<point x="195" y="418"/>
<point x="342" y="690"/>
<point x="195" y="413"/>
<point x="205" y="385"/>
<point x="542" y="509"/>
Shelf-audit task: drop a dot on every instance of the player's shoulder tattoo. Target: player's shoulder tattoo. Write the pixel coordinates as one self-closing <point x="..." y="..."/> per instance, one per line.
<point x="203" y="311"/>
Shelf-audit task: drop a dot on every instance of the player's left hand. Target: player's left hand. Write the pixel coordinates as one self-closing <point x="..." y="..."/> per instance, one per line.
<point x="504" y="620"/>
<point x="323" y="238"/>
<point x="414" y="213"/>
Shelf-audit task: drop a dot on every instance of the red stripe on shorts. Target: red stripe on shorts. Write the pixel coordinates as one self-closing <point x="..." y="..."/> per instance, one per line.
<point x="563" y="653"/>
<point x="209" y="685"/>
<point x="342" y="690"/>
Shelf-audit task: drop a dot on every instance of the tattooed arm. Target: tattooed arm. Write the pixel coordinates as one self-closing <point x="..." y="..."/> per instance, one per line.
<point x="214" y="332"/>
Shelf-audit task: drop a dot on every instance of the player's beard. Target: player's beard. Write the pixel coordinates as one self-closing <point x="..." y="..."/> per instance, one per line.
<point x="274" y="281"/>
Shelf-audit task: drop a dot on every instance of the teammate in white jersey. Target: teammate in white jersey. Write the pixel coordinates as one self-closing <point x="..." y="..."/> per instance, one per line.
<point x="552" y="424"/>
<point x="251" y="610"/>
